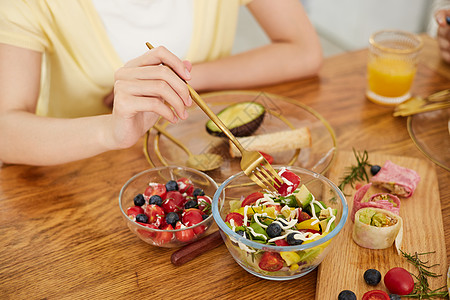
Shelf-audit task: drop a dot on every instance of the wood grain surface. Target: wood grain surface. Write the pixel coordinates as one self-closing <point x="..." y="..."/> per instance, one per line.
<point x="422" y="232"/>
<point x="62" y="235"/>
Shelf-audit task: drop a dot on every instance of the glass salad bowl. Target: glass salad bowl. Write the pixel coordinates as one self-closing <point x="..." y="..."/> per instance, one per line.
<point x="187" y="223"/>
<point x="302" y="243"/>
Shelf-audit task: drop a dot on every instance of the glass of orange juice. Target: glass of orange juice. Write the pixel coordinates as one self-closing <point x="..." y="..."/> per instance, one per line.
<point x="391" y="67"/>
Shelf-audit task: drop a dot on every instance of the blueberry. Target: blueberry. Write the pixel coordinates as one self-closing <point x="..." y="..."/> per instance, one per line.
<point x="205" y="216"/>
<point x="346" y="295"/>
<point x="240" y="232"/>
<point x="155" y="199"/>
<point x="372" y="277"/>
<point x="374" y="169"/>
<point x="171" y="185"/>
<point x="139" y="200"/>
<point x="292" y="240"/>
<point x="273" y="230"/>
<point x="394" y="297"/>
<point x="172" y="218"/>
<point x="198" y="192"/>
<point x="190" y="204"/>
<point x="141" y="218"/>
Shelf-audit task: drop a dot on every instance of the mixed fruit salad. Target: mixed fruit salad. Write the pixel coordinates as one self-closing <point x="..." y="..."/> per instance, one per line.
<point x="292" y="216"/>
<point x="177" y="204"/>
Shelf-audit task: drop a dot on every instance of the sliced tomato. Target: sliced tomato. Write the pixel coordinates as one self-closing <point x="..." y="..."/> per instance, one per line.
<point x="170" y="205"/>
<point x="177" y="197"/>
<point x="290" y="184"/>
<point x="155" y="189"/>
<point x="155" y="214"/>
<point x="184" y="236"/>
<point x="375" y="295"/>
<point x="281" y="243"/>
<point x="268" y="157"/>
<point x="250" y="199"/>
<point x="164" y="237"/>
<point x="271" y="261"/>
<point x="237" y="218"/>
<point x="134" y="211"/>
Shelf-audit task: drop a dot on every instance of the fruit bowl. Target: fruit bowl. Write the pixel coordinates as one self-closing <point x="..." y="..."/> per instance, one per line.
<point x="168" y="206"/>
<point x="302" y="243"/>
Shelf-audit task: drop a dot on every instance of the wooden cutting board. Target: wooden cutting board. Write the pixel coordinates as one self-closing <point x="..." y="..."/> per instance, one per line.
<point x="423" y="231"/>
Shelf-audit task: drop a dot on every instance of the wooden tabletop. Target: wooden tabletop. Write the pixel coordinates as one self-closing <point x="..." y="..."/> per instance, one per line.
<point x="63" y="237"/>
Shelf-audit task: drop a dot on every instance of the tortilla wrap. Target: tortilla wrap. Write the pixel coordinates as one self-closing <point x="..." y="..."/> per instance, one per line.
<point x="393" y="205"/>
<point x="374" y="237"/>
<point x="397" y="180"/>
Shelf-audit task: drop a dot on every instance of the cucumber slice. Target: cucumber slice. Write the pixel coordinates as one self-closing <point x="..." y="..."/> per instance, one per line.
<point x="242" y="119"/>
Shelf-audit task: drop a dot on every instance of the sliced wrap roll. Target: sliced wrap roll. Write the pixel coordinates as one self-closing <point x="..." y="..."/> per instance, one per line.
<point x="374" y="237"/>
<point x="380" y="200"/>
<point x="397" y="180"/>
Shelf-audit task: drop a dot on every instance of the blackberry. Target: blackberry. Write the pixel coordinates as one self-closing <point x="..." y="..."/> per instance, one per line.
<point x="139" y="200"/>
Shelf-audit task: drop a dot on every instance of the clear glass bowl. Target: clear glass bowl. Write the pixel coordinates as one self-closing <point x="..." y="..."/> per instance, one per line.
<point x="248" y="253"/>
<point x="137" y="185"/>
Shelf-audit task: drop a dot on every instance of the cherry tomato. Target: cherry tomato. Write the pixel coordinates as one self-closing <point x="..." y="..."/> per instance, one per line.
<point x="250" y="199"/>
<point x="375" y="295"/>
<point x="155" y="189"/>
<point x="271" y="261"/>
<point x="191" y="217"/>
<point x="268" y="157"/>
<point x="281" y="243"/>
<point x="155" y="214"/>
<point x="184" y="236"/>
<point x="287" y="188"/>
<point x="170" y="205"/>
<point x="178" y="198"/>
<point x="134" y="211"/>
<point x="237" y="218"/>
<point x="164" y="237"/>
<point x="145" y="233"/>
<point x="303" y="216"/>
<point x="399" y="281"/>
<point x="185" y="186"/>
<point x="204" y="203"/>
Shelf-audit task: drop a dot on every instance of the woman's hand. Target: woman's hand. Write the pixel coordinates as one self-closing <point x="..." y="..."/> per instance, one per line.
<point x="145" y="89"/>
<point x="443" y="34"/>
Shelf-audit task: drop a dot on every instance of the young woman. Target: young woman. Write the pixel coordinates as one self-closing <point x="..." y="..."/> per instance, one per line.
<point x="62" y="67"/>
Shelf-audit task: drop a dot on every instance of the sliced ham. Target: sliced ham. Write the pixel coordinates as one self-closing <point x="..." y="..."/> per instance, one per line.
<point x="397" y="180"/>
<point x="380" y="200"/>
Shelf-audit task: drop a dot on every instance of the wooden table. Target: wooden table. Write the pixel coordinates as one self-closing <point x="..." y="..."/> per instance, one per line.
<point x="62" y="235"/>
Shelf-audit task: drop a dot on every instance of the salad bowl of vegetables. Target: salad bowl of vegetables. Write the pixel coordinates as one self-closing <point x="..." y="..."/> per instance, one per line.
<point x="280" y="235"/>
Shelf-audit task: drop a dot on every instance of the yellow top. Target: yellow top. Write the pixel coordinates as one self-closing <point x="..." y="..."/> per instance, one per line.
<point x="79" y="59"/>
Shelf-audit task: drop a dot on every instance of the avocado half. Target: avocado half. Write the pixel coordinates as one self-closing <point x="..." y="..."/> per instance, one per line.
<point x="243" y="119"/>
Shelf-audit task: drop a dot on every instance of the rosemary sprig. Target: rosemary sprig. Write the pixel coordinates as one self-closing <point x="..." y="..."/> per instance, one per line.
<point x="421" y="287"/>
<point x="358" y="172"/>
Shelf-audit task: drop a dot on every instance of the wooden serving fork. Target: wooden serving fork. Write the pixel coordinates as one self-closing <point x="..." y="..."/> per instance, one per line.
<point x="254" y="165"/>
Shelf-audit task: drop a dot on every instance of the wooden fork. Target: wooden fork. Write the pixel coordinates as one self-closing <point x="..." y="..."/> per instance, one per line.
<point x="254" y="165"/>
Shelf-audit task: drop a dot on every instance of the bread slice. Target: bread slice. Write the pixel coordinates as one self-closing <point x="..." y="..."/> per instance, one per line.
<point x="274" y="142"/>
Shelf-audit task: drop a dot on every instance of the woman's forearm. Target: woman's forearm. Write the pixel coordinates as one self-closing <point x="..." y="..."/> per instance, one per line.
<point x="29" y="139"/>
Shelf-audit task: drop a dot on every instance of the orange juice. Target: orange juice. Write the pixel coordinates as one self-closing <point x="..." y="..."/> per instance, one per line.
<point x="389" y="77"/>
